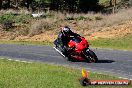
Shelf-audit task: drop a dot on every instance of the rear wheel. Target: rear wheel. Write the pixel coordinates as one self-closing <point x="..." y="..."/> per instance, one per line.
<point x="69" y="59"/>
<point x="69" y="56"/>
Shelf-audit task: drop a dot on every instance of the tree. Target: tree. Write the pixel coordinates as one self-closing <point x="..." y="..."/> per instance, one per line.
<point x="89" y="5"/>
<point x="28" y="3"/>
<point x="75" y="5"/>
<point x="0" y="4"/>
<point x="72" y="5"/>
<point x="113" y="4"/>
<point x="58" y="5"/>
<point x="8" y="3"/>
<point x="5" y="4"/>
<point x="16" y="3"/>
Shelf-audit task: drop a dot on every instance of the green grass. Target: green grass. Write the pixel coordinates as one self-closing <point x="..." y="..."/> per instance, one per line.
<point x="39" y="75"/>
<point x="22" y="18"/>
<point x="107" y="2"/>
<point x="26" y="42"/>
<point x="123" y="43"/>
<point x="103" y="1"/>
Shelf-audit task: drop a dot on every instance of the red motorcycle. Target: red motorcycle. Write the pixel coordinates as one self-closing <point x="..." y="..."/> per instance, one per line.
<point x="78" y="49"/>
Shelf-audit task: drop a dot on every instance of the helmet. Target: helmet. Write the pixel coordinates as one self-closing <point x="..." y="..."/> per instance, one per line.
<point x="65" y="30"/>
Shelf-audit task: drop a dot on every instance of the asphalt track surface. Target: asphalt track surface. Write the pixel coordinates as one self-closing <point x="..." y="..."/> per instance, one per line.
<point x="115" y="62"/>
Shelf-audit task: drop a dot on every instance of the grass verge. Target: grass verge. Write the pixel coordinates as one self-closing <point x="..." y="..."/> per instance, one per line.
<point x="39" y="75"/>
<point x="122" y="43"/>
<point x="27" y="42"/>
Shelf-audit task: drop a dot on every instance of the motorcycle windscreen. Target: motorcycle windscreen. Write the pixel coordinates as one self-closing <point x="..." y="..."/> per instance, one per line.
<point x="77" y="39"/>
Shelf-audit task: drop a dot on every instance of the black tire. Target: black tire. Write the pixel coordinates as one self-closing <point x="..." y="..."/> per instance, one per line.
<point x="69" y="59"/>
<point x="84" y="81"/>
<point x="92" y="56"/>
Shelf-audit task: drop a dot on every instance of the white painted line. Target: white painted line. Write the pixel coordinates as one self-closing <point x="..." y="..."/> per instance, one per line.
<point x="123" y="78"/>
<point x="108" y="74"/>
<point x="102" y="73"/>
<point x="10" y="59"/>
<point x="25" y="62"/>
<point x="2" y="58"/>
<point x="19" y="61"/>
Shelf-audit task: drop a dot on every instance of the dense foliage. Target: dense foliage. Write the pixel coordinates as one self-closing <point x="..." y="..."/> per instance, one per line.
<point x="63" y="5"/>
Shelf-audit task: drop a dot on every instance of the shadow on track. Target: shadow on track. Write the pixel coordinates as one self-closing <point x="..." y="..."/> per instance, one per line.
<point x="105" y="61"/>
<point x="99" y="61"/>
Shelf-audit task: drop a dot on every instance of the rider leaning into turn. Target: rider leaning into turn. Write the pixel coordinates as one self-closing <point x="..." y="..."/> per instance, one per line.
<point x="64" y="35"/>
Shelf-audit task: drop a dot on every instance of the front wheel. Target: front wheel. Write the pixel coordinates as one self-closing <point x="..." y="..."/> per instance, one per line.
<point x="91" y="56"/>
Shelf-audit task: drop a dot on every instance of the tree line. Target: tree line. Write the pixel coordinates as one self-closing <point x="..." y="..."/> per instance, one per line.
<point x="62" y="5"/>
<point x="5" y="4"/>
